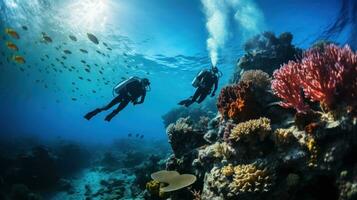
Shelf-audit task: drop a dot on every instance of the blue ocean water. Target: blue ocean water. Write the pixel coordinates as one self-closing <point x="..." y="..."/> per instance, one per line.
<point x="61" y="59"/>
<point x="164" y="41"/>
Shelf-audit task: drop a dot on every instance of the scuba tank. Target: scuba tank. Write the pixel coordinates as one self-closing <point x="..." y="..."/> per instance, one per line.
<point x="121" y="85"/>
<point x="197" y="80"/>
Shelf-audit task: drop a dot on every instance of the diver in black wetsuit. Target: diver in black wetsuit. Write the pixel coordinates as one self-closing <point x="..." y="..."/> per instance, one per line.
<point x="129" y="90"/>
<point x="204" y="82"/>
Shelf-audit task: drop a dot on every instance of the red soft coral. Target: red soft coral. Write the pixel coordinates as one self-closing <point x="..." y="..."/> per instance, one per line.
<point x="286" y="85"/>
<point x="325" y="76"/>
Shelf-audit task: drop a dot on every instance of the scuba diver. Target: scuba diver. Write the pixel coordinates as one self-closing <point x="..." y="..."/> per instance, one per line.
<point x="129" y="90"/>
<point x="204" y="82"/>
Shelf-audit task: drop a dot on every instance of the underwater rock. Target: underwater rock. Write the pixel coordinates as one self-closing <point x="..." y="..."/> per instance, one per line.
<point x="144" y="170"/>
<point x="71" y="157"/>
<point x="36" y="169"/>
<point x="66" y="185"/>
<point x="111" y="189"/>
<point x="266" y="52"/>
<point x="134" y="158"/>
<point x="110" y="162"/>
<point x="194" y="112"/>
<point x="21" y="192"/>
<point x="184" y="136"/>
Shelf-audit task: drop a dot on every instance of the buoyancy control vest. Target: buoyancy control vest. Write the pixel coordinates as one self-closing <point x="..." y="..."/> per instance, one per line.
<point x="120" y="86"/>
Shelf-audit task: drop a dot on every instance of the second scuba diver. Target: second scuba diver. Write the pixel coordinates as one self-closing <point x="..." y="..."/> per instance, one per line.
<point x="129" y="90"/>
<point x="204" y="82"/>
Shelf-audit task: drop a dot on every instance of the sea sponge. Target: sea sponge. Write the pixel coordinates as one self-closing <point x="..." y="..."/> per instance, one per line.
<point x="250" y="179"/>
<point x="174" y="180"/>
<point x="237" y="102"/>
<point x="252" y="130"/>
<point x="259" y="79"/>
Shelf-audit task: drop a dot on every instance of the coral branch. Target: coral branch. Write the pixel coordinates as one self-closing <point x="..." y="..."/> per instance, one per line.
<point x="324" y="75"/>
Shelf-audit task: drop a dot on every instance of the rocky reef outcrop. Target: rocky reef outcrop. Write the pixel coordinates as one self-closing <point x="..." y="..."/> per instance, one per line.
<point x="195" y="112"/>
<point x="25" y="173"/>
<point x="296" y="142"/>
<point x="266" y="52"/>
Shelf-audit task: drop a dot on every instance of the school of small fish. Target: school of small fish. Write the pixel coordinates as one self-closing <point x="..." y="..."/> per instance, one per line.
<point x="60" y="64"/>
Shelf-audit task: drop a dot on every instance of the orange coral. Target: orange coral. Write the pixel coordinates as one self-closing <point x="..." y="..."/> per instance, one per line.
<point x="237" y="102"/>
<point x="235" y="107"/>
<point x="312" y="127"/>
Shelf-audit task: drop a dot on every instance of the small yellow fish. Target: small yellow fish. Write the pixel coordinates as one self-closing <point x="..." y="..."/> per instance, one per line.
<point x="12" y="46"/>
<point x="12" y="33"/>
<point x="19" y="59"/>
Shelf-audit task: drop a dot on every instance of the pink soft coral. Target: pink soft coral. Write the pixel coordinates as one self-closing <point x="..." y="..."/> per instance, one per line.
<point x="324" y="76"/>
<point x="286" y="85"/>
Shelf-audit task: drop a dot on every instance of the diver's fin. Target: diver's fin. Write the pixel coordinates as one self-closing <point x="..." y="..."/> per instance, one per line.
<point x="89" y="115"/>
<point x="110" y="116"/>
<point x="186" y="102"/>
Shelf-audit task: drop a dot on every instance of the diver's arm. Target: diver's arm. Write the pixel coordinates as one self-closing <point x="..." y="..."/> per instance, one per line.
<point x="215" y="87"/>
<point x="142" y="98"/>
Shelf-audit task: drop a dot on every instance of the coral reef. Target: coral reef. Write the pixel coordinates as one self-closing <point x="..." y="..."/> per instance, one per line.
<point x="261" y="150"/>
<point x="237" y="102"/>
<point x="251" y="131"/>
<point x="110" y="162"/>
<point x="325" y="76"/>
<point x="36" y="169"/>
<point x="142" y="172"/>
<point x="111" y="189"/>
<point x="266" y="52"/>
<point x="71" y="157"/>
<point x="194" y="112"/>
<point x="259" y="79"/>
<point x="184" y="136"/>
<point x="232" y="182"/>
<point x="173" y="179"/>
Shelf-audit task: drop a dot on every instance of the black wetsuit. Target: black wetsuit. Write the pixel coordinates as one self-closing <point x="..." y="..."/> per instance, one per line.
<point x="207" y="80"/>
<point x="131" y="92"/>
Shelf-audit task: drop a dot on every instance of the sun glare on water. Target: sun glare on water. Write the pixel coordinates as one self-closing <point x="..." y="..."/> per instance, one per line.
<point x="88" y="14"/>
